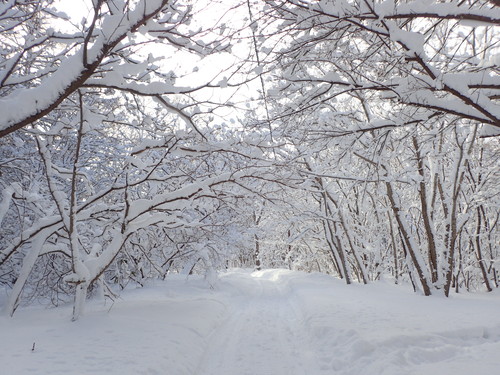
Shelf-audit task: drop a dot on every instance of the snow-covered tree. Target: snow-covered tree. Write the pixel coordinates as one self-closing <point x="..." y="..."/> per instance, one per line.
<point x="388" y="101"/>
<point x="106" y="173"/>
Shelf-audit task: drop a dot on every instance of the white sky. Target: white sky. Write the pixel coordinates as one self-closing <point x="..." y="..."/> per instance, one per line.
<point x="190" y="70"/>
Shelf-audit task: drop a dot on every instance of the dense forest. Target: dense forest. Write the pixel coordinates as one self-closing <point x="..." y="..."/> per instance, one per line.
<point x="358" y="138"/>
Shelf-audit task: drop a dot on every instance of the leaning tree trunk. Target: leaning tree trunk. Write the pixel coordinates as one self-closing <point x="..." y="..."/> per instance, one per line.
<point x="409" y="242"/>
<point x="334" y="240"/>
<point x="28" y="264"/>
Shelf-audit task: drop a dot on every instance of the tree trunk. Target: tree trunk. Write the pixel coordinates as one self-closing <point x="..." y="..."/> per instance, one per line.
<point x="394" y="249"/>
<point x="478" y="252"/>
<point x="409" y="242"/>
<point x="429" y="227"/>
<point x="28" y="264"/>
<point x="80" y="299"/>
<point x="336" y="242"/>
<point x="257" y="253"/>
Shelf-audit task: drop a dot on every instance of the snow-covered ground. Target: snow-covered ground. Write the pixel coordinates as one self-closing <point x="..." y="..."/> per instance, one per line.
<point x="271" y="322"/>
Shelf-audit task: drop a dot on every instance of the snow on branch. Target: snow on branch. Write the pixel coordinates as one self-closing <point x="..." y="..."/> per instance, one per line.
<point x="26" y="105"/>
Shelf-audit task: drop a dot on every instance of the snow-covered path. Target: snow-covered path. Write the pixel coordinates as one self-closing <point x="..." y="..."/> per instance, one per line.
<point x="263" y="335"/>
<point x="272" y="322"/>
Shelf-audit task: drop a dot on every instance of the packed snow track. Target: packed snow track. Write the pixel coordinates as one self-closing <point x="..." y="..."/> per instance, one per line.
<point x="263" y="335"/>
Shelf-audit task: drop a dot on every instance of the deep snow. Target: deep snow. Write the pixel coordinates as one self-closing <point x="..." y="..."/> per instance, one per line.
<point x="269" y="322"/>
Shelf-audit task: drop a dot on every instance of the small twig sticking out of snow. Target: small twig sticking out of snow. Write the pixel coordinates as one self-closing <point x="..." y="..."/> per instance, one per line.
<point x="110" y="307"/>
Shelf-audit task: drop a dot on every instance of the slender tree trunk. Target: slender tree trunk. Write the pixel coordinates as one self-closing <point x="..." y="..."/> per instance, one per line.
<point x="343" y="256"/>
<point x="257" y="261"/>
<point x="257" y="252"/>
<point x="79" y="268"/>
<point x="480" y="259"/>
<point x="28" y="264"/>
<point x="339" y="256"/>
<point x="348" y="233"/>
<point x="333" y="252"/>
<point x="408" y="263"/>
<point x="409" y="242"/>
<point x="394" y="249"/>
<point x="428" y="225"/>
<point x="489" y="229"/>
<point x="452" y="230"/>
<point x="335" y="242"/>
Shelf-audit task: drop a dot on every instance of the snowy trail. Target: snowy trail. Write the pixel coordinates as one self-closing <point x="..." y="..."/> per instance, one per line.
<point x="264" y="335"/>
<point x="272" y="322"/>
